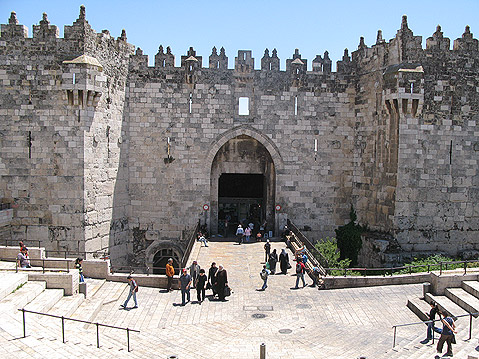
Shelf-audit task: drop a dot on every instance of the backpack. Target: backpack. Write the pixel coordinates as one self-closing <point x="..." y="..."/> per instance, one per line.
<point x="299" y="268"/>
<point x="263" y="274"/>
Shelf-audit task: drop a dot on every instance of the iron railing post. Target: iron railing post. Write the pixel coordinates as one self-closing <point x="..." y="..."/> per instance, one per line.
<point x="43" y="265"/>
<point x="470" y="326"/>
<point x="128" y="338"/>
<point x="97" y="335"/>
<point x="63" y="329"/>
<point x="68" y="266"/>
<point x="394" y="337"/>
<point x="465" y="267"/>
<point x="24" y="328"/>
<point x="440" y="268"/>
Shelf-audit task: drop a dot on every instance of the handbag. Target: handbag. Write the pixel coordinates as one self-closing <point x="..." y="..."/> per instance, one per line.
<point x="227" y="291"/>
<point x="208" y="285"/>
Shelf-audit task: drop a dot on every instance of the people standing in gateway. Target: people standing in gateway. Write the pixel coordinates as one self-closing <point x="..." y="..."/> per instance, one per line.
<point x="221" y="282"/>
<point x="185" y="284"/>
<point x="283" y="261"/>
<point x="273" y="259"/>
<point x="200" y="285"/>
<point x="247" y="233"/>
<point x="212" y="277"/>
<point x="170" y="272"/>
<point x="267" y="249"/>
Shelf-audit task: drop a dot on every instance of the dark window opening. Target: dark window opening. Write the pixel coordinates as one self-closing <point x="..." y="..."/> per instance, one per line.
<point x="161" y="258"/>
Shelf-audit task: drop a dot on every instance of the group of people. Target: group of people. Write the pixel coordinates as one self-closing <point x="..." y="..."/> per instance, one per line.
<point x="447" y="332"/>
<point x="244" y="233"/>
<point x="195" y="277"/>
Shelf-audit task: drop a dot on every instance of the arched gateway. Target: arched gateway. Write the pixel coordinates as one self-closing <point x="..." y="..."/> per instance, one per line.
<point x="242" y="180"/>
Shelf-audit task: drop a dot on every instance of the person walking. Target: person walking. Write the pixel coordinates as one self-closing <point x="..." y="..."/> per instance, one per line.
<point x="300" y="269"/>
<point x="239" y="234"/>
<point x="78" y="265"/>
<point x="430" y="326"/>
<point x="185" y="284"/>
<point x="194" y="272"/>
<point x="273" y="259"/>
<point x="212" y="277"/>
<point x="221" y="282"/>
<point x="264" y="276"/>
<point x="200" y="286"/>
<point x="447" y="335"/>
<point x="267" y="249"/>
<point x="133" y="290"/>
<point x="283" y="261"/>
<point x="170" y="272"/>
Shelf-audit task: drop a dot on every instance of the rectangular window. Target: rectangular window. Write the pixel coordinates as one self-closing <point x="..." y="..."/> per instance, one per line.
<point x="295" y="105"/>
<point x="191" y="102"/>
<point x="243" y="106"/>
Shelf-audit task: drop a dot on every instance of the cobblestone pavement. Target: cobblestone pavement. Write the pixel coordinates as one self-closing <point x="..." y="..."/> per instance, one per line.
<point x="303" y="323"/>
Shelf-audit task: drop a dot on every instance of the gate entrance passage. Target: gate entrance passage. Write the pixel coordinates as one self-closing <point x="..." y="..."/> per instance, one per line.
<point x="242" y="186"/>
<point x="240" y="200"/>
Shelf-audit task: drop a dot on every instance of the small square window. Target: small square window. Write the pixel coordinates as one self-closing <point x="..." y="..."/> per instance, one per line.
<point x="243" y="106"/>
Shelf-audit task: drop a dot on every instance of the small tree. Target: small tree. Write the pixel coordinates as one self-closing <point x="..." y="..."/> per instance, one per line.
<point x="329" y="249"/>
<point x="349" y="238"/>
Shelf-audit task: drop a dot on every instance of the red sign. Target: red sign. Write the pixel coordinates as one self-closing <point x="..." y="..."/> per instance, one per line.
<point x="278" y="207"/>
<point x="206" y="207"/>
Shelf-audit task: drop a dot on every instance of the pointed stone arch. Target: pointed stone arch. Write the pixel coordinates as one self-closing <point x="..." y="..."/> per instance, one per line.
<point x="248" y="131"/>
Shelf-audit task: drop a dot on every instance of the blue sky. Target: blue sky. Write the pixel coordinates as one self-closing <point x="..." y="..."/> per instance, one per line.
<point x="311" y="26"/>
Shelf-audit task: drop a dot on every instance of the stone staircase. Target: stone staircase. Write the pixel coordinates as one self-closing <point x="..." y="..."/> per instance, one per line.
<point x="456" y="302"/>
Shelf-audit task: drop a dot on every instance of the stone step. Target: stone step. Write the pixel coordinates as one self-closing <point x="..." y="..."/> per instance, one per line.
<point x="472" y="287"/>
<point x="91" y="306"/>
<point x="445" y="304"/>
<point x="11" y="281"/>
<point x="45" y="301"/>
<point x="419" y="307"/>
<point x="22" y="296"/>
<point x="67" y="305"/>
<point x="93" y="285"/>
<point x="464" y="299"/>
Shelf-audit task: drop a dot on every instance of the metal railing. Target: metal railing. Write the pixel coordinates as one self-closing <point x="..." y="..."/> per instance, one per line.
<point x="101" y="253"/>
<point x="5" y="206"/>
<point x="26" y="243"/>
<point x="470" y="315"/>
<point x="98" y="325"/>
<point x="442" y="266"/>
<point x="189" y="246"/>
<point x="139" y="270"/>
<point x="48" y="260"/>
<point x="313" y="254"/>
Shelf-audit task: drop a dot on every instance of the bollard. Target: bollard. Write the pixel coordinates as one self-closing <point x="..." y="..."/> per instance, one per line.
<point x="262" y="351"/>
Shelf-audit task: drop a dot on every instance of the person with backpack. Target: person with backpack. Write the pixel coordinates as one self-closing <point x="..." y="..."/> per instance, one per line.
<point x="133" y="290"/>
<point x="300" y="269"/>
<point x="264" y="276"/>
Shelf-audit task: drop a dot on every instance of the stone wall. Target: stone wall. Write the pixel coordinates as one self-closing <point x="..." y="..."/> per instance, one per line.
<point x="100" y="150"/>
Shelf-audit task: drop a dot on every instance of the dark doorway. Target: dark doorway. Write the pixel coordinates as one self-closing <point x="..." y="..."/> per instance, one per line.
<point x="240" y="201"/>
<point x="161" y="258"/>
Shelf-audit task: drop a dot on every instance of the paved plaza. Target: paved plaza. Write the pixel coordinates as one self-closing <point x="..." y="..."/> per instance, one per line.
<point x="304" y="323"/>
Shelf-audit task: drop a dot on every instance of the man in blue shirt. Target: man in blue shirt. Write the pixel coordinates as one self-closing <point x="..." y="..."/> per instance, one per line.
<point x="185" y="284"/>
<point x="447" y="334"/>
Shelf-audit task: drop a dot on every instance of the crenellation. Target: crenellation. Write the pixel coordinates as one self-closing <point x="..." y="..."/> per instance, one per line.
<point x="13" y="29"/>
<point x="45" y="31"/>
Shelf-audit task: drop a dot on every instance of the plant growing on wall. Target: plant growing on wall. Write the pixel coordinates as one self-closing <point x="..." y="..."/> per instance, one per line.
<point x="349" y="238"/>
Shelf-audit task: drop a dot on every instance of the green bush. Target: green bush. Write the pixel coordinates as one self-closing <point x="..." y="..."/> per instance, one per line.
<point x="349" y="238"/>
<point x="433" y="262"/>
<point x="329" y="249"/>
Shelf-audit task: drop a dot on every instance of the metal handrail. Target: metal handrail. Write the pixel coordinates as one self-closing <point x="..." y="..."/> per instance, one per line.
<point x="442" y="267"/>
<point x="470" y="315"/>
<point x="131" y="269"/>
<point x="307" y="243"/>
<point x="128" y="330"/>
<point x="26" y="242"/>
<point x="189" y="247"/>
<point x="101" y="252"/>
<point x="43" y="260"/>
